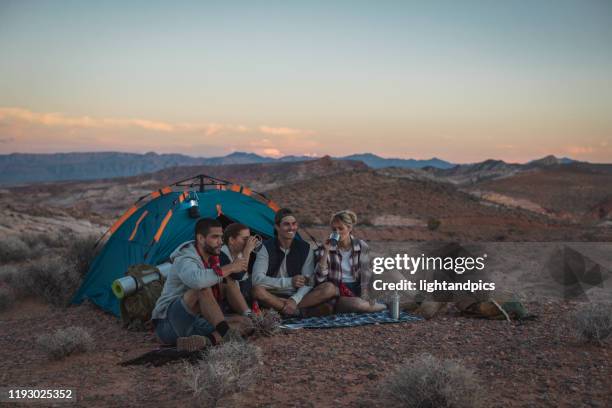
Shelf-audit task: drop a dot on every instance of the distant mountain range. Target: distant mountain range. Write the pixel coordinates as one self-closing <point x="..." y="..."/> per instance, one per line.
<point x="19" y="168"/>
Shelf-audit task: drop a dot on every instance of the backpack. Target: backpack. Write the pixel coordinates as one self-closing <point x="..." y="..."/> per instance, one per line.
<point x="136" y="308"/>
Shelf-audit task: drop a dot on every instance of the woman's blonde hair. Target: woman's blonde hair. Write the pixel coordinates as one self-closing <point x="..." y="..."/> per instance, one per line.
<point x="347" y="217"/>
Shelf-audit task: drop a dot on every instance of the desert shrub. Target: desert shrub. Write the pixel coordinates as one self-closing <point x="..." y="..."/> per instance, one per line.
<point x="64" y="342"/>
<point x="593" y="322"/>
<point x="80" y="252"/>
<point x="228" y="368"/>
<point x="43" y="240"/>
<point x="7" y="298"/>
<point x="426" y="381"/>
<point x="50" y="278"/>
<point x="13" y="249"/>
<point x="433" y="224"/>
<point x="7" y="273"/>
<point x="267" y="323"/>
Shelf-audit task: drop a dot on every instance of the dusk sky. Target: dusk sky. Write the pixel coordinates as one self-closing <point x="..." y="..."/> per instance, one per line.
<point x="460" y="80"/>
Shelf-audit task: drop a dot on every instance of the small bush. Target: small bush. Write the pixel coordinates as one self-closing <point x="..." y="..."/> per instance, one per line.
<point x="433" y="224"/>
<point x="7" y="273"/>
<point x="228" y="368"/>
<point x="52" y="279"/>
<point x="80" y="252"/>
<point x="13" y="249"/>
<point x="426" y="381"/>
<point x="43" y="240"/>
<point x="64" y="342"/>
<point x="593" y="322"/>
<point x="266" y="324"/>
<point x="7" y="298"/>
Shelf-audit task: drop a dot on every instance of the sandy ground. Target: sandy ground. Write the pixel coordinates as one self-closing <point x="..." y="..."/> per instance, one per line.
<point x="520" y="365"/>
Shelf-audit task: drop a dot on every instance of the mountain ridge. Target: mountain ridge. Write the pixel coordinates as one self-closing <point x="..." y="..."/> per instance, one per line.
<point x="20" y="168"/>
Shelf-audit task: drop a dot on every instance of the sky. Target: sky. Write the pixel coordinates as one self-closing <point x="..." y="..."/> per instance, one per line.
<point x="464" y="81"/>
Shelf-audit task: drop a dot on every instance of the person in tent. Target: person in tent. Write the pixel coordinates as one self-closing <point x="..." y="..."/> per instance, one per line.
<point x="283" y="273"/>
<point x="346" y="264"/>
<point x="187" y="314"/>
<point x="238" y="243"/>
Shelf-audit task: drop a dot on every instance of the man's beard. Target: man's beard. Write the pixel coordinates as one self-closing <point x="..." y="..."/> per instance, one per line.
<point x="212" y="251"/>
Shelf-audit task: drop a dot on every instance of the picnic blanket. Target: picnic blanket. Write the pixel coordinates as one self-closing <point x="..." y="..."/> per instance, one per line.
<point x="346" y="320"/>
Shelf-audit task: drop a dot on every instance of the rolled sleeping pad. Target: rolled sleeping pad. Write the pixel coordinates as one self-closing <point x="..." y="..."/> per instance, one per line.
<point x="128" y="285"/>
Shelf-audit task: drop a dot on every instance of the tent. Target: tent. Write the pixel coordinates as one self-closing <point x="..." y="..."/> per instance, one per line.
<point x="159" y="222"/>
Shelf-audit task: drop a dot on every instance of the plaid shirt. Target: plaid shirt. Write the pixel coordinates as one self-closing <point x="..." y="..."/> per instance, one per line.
<point x="360" y="265"/>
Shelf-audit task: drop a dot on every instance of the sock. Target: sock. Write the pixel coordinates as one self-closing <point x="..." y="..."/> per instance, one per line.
<point x="222" y="328"/>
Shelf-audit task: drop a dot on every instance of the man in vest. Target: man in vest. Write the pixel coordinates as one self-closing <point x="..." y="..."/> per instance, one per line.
<point x="284" y="268"/>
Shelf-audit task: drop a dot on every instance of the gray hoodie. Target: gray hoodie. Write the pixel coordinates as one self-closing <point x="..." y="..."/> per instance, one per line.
<point x="187" y="272"/>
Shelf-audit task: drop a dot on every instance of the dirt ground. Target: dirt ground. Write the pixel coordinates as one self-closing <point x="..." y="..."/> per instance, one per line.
<point x="520" y="365"/>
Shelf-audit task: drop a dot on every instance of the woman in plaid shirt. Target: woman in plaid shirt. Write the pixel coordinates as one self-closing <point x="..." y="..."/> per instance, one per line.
<point x="347" y="265"/>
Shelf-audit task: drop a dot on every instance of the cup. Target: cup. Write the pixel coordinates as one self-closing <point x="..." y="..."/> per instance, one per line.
<point x="259" y="243"/>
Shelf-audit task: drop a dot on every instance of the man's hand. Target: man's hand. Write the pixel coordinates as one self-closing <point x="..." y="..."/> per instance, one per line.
<point x="290" y="307"/>
<point x="239" y="265"/>
<point x="298" y="281"/>
<point x="249" y="246"/>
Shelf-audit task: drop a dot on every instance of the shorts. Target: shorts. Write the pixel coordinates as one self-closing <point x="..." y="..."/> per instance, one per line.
<point x="355" y="287"/>
<point x="181" y="322"/>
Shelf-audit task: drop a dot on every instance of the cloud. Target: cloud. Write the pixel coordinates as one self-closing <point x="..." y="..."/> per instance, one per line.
<point x="87" y="122"/>
<point x="506" y="146"/>
<point x="579" y="150"/>
<point x="285" y="131"/>
<point x="272" y="152"/>
<point x="28" y="131"/>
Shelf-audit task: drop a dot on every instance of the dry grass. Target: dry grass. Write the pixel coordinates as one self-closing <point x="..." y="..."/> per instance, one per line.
<point x="593" y="323"/>
<point x="53" y="268"/>
<point x="25" y="246"/>
<point x="228" y="368"/>
<point x="13" y="249"/>
<point x="428" y="382"/>
<point x="64" y="342"/>
<point x="7" y="298"/>
<point x="80" y="252"/>
<point x="266" y="324"/>
<point x="52" y="279"/>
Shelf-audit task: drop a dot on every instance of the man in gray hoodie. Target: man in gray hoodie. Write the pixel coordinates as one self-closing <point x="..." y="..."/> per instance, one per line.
<point x="188" y="313"/>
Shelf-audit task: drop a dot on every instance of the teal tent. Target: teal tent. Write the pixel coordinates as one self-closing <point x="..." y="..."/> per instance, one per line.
<point x="159" y="222"/>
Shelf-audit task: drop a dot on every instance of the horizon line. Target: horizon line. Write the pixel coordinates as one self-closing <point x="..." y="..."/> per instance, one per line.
<point x="295" y="155"/>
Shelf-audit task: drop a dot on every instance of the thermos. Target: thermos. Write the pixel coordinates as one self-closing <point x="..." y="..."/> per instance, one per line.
<point x="395" y="303"/>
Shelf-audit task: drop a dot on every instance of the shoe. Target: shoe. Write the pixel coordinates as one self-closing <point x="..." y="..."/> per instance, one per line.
<point x="192" y="343"/>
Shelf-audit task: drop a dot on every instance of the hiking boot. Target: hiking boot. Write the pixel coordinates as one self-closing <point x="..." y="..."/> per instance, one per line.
<point x="192" y="343"/>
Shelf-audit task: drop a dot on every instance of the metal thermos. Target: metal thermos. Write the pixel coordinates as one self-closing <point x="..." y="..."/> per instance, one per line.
<point x="395" y="306"/>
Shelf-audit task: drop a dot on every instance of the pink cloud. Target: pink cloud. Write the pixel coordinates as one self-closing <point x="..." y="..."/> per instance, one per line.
<point x="61" y="120"/>
<point x="285" y="131"/>
<point x="579" y="150"/>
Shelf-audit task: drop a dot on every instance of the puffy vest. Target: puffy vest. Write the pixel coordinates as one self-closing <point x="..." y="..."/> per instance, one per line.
<point x="298" y="252"/>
